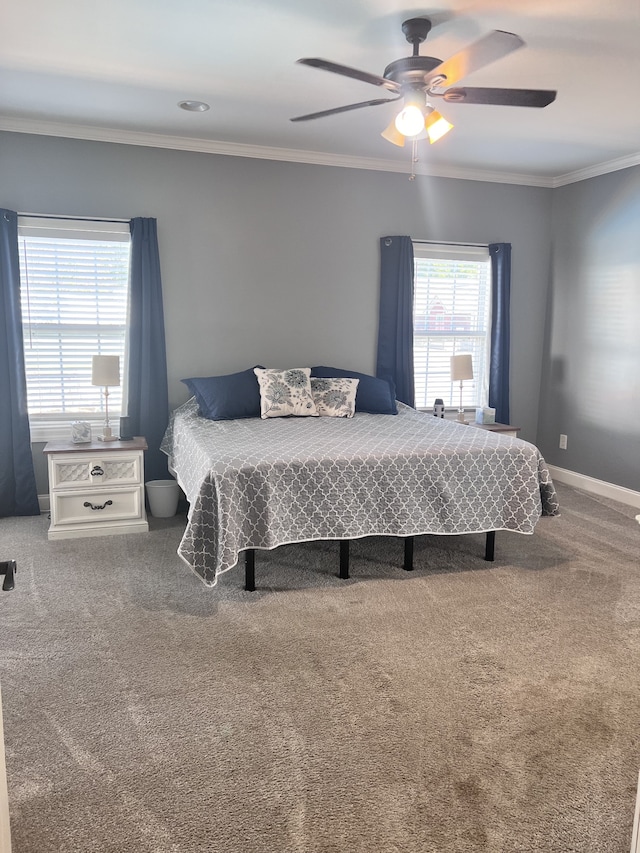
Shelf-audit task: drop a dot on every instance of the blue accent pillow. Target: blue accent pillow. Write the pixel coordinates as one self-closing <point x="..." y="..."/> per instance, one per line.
<point x="376" y="396"/>
<point x="224" y="398"/>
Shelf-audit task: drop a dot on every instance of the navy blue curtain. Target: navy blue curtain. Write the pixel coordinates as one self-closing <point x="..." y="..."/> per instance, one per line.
<point x="18" y="492"/>
<point x="500" y="254"/>
<point x="147" y="395"/>
<point x="395" y="327"/>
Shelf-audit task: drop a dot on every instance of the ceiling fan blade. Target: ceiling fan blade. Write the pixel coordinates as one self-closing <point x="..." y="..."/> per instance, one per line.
<point x="346" y="109"/>
<point x="354" y="73"/>
<point x="479" y="53"/>
<point x="501" y="97"/>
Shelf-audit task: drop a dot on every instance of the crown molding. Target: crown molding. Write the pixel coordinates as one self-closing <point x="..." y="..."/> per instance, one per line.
<point x="290" y="155"/>
<point x="601" y="169"/>
<point x="258" y="152"/>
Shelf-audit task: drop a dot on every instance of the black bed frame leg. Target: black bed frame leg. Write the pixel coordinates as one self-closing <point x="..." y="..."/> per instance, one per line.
<point x="490" y="546"/>
<point x="408" y="554"/>
<point x="8" y="569"/>
<point x="344" y="559"/>
<point x="250" y="570"/>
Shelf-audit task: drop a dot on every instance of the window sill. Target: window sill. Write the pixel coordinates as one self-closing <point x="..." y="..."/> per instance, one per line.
<point x="44" y="431"/>
<point x="451" y="414"/>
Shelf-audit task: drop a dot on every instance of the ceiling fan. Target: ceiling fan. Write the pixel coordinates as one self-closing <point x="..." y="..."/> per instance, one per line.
<point x="416" y="79"/>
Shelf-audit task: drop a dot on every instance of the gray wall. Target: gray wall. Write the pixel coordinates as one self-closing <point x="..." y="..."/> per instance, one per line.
<point x="277" y="263"/>
<point x="591" y="368"/>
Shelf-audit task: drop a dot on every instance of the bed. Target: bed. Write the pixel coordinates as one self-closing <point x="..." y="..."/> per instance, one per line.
<point x="258" y="484"/>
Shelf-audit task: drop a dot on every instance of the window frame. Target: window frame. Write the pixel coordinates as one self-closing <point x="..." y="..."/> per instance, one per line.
<point x="57" y="426"/>
<point x="464" y="252"/>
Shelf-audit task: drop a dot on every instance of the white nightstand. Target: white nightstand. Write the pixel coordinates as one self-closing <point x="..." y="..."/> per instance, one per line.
<point x="503" y="429"/>
<point x="96" y="489"/>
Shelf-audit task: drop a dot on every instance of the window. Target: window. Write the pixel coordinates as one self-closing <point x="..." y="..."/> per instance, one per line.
<point x="451" y="315"/>
<point x="74" y="285"/>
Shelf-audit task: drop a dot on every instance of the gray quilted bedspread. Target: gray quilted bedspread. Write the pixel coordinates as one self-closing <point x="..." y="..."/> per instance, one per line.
<point x="256" y="483"/>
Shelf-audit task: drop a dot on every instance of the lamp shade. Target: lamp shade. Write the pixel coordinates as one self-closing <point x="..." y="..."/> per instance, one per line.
<point x="461" y="367"/>
<point x="436" y="126"/>
<point x="393" y="135"/>
<point x="105" y="370"/>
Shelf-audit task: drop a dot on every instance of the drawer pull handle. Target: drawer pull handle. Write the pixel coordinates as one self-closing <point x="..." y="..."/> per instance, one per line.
<point x="97" y="471"/>
<point x="94" y="506"/>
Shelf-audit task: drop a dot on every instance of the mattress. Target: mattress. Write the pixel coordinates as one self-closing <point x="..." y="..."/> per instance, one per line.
<point x="254" y="483"/>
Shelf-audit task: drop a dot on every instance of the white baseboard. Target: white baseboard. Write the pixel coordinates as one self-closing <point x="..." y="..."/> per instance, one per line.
<point x="596" y="487"/>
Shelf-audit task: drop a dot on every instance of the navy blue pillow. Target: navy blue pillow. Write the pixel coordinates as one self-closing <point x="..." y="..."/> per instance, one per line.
<point x="376" y="396"/>
<point x="224" y="398"/>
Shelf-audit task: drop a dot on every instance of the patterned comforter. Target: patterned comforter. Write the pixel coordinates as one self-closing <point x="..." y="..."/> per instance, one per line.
<point x="256" y="483"/>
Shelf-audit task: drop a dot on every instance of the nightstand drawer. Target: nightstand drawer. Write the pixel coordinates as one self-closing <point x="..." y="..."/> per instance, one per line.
<point x="96" y="506"/>
<point x="97" y="472"/>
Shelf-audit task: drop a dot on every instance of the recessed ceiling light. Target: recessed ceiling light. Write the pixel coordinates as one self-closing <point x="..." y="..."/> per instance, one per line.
<point x="194" y="106"/>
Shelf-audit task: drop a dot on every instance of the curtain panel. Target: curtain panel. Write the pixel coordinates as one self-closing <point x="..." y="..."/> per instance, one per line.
<point x="18" y="492"/>
<point x="147" y="394"/>
<point x="395" y="326"/>
<point x="500" y="254"/>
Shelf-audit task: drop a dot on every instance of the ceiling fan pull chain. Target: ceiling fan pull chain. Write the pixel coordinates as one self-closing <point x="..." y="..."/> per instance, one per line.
<point x="414" y="159"/>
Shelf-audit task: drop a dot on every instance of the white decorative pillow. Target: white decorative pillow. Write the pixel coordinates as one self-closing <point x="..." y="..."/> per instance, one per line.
<point x="335" y="398"/>
<point x="285" y="392"/>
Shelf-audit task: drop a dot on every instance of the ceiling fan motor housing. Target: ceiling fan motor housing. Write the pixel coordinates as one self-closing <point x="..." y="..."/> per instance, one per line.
<point x="411" y="70"/>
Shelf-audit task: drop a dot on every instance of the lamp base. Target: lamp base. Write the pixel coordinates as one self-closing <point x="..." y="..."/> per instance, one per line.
<point x="460" y="417"/>
<point x="107" y="435"/>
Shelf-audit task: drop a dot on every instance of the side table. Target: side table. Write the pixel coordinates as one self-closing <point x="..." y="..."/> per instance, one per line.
<point x="503" y="429"/>
<point x="96" y="488"/>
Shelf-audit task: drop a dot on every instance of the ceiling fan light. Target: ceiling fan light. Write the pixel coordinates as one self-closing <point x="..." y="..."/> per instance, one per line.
<point x="410" y="120"/>
<point x="436" y="126"/>
<point x="392" y="134"/>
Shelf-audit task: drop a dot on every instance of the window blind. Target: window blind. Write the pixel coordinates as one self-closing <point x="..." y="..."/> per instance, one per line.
<point x="74" y="298"/>
<point x="452" y="302"/>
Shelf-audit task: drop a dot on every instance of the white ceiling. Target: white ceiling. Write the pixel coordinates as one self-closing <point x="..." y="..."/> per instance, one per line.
<point x="116" y="71"/>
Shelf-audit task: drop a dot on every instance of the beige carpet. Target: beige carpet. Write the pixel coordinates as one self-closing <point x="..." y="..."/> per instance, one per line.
<point x="466" y="706"/>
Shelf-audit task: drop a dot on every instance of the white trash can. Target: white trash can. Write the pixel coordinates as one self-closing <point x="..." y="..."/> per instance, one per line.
<point x="163" y="497"/>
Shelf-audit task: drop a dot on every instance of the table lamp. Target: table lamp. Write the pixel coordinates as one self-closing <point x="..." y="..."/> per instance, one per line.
<point x="105" y="371"/>
<point x="461" y="369"/>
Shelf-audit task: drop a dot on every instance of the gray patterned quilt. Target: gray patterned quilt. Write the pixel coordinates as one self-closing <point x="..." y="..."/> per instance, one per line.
<point x="256" y="483"/>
